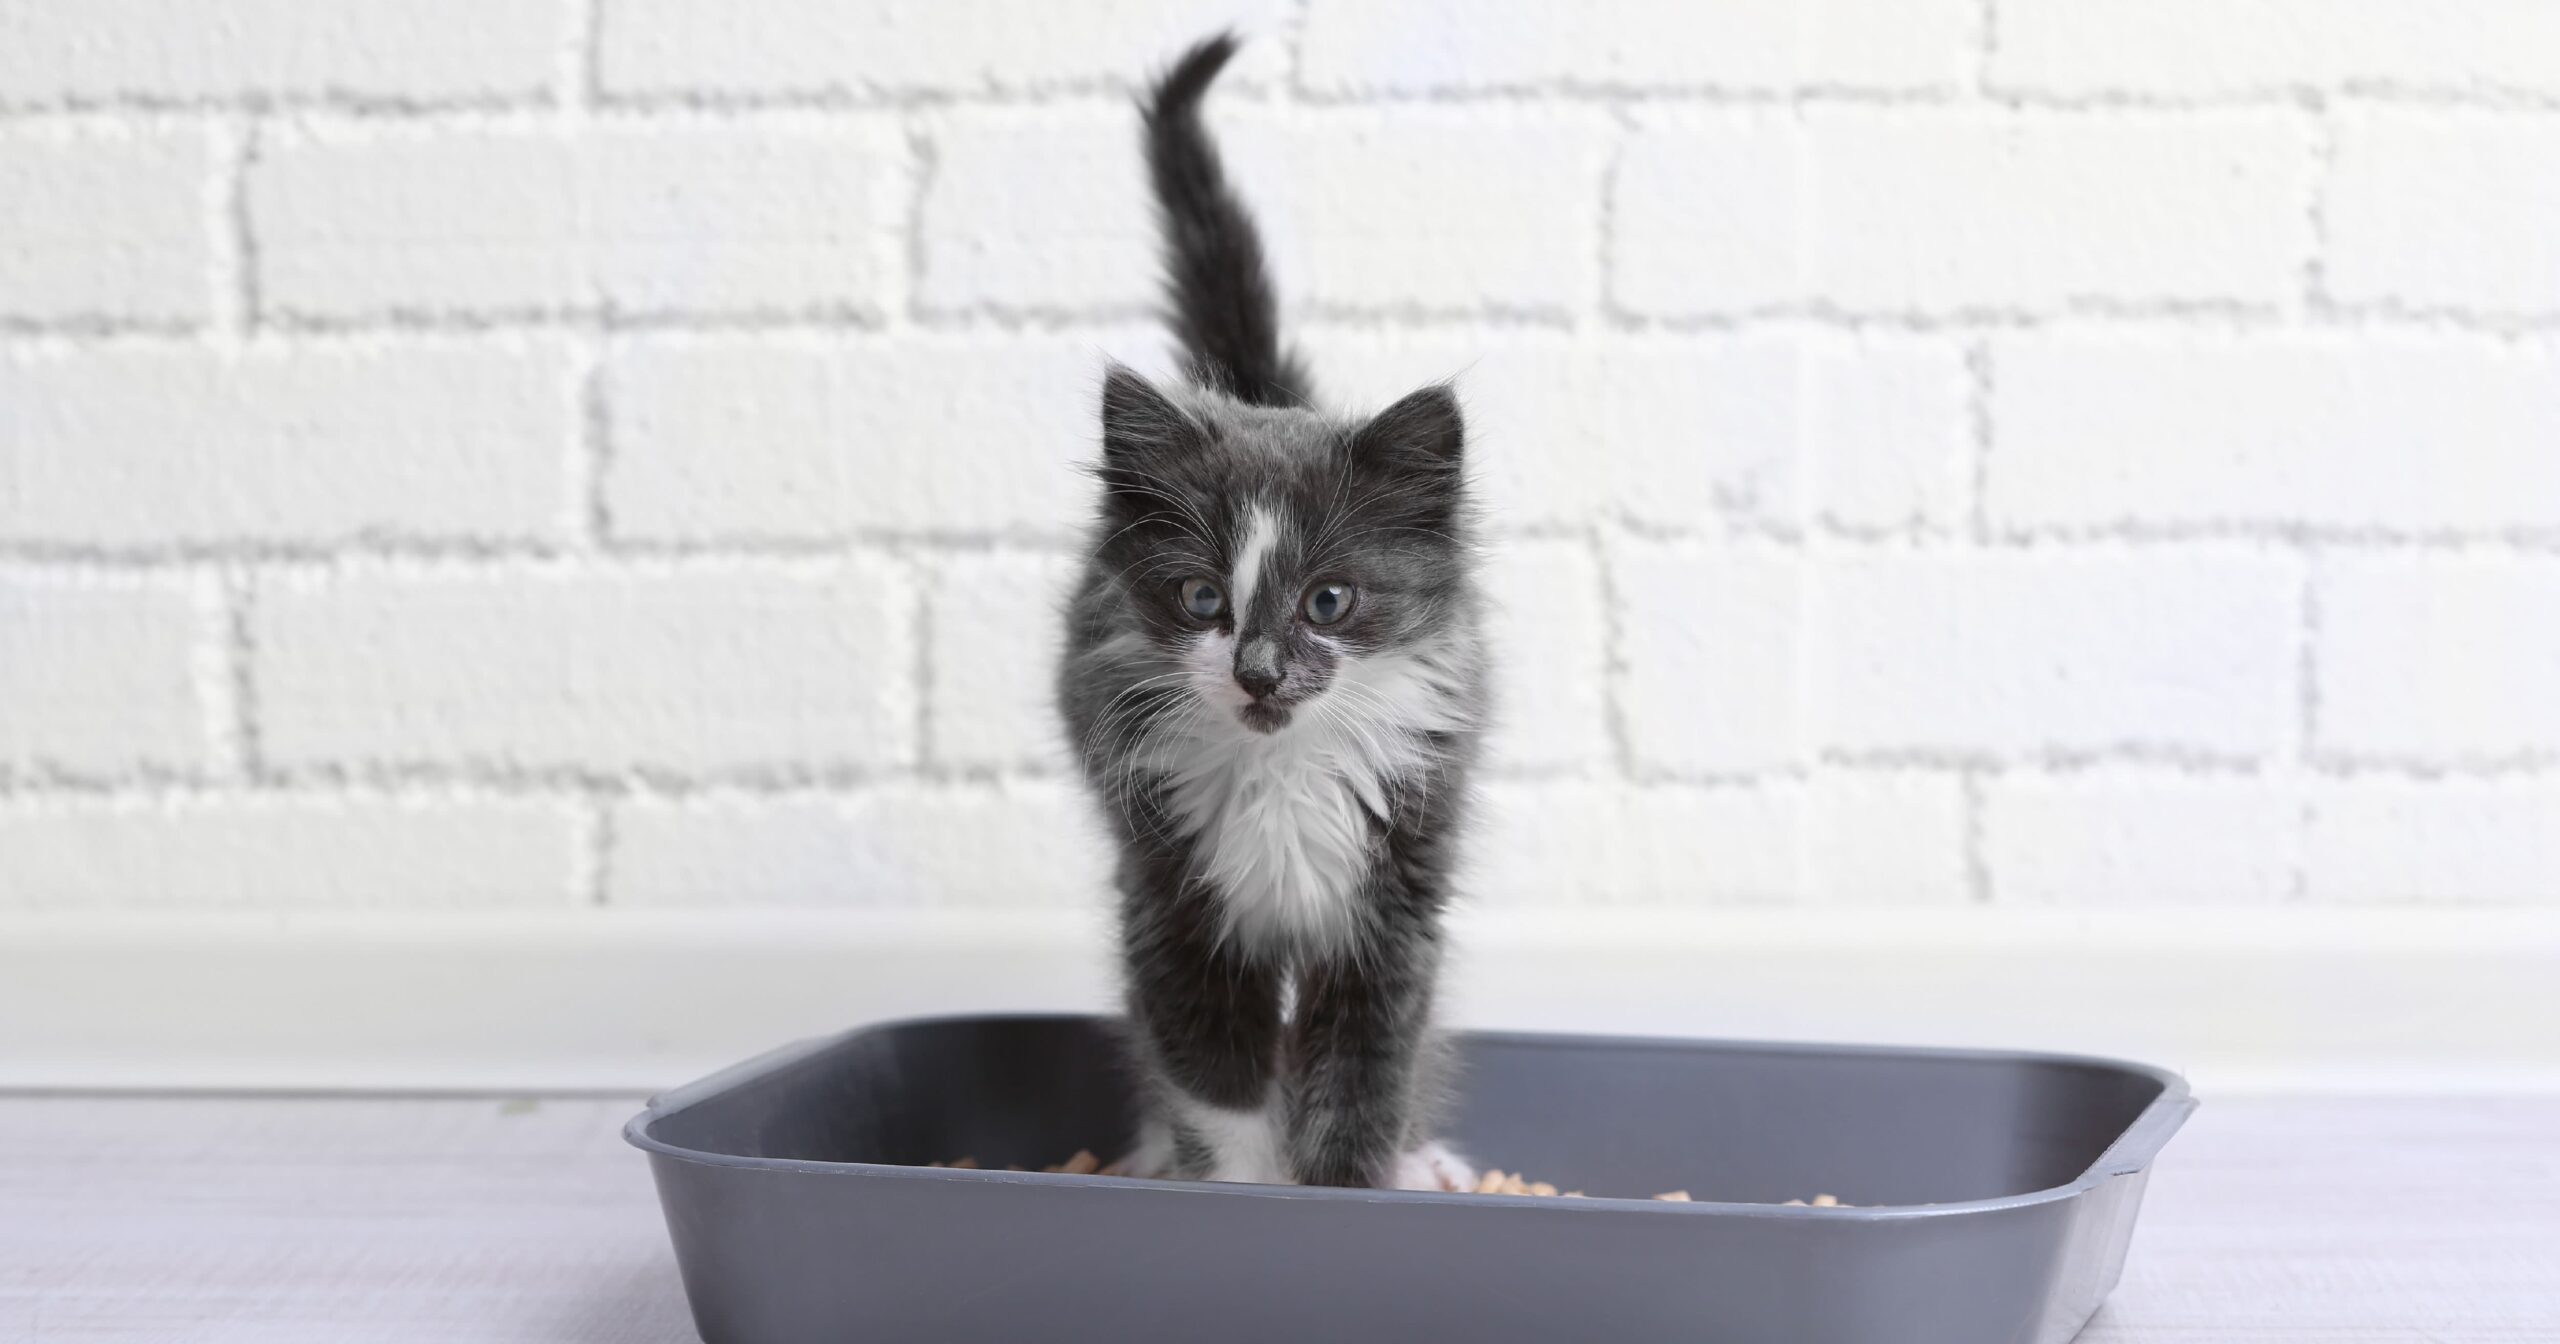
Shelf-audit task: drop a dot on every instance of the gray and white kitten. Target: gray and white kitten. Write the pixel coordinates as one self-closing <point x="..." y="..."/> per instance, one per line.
<point x="1275" y="682"/>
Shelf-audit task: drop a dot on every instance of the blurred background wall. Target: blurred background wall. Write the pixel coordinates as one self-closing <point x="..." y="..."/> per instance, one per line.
<point x="585" y="458"/>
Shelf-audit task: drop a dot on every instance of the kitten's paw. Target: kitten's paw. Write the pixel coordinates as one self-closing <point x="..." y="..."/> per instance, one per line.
<point x="1152" y="1159"/>
<point x="1432" y="1167"/>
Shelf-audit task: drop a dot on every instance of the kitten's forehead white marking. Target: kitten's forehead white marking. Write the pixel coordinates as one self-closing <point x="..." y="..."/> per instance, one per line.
<point x="1261" y="532"/>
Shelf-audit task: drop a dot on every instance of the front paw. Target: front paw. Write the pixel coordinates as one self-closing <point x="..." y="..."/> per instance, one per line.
<point x="1432" y="1167"/>
<point x="1153" y="1157"/>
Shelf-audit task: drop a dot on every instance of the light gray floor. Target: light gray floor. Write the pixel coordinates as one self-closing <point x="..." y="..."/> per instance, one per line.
<point x="333" y="1220"/>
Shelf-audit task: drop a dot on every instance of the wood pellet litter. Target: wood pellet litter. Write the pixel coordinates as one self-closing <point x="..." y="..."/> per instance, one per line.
<point x="1495" y="1181"/>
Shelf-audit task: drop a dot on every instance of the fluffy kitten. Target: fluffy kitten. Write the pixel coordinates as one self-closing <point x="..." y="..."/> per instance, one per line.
<point x="1274" y="681"/>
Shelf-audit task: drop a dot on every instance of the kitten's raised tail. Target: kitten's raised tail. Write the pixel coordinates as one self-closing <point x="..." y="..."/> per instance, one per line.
<point x="1223" y="310"/>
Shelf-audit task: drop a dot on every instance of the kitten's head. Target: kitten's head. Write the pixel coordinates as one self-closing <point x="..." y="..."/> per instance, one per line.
<point x="1276" y="557"/>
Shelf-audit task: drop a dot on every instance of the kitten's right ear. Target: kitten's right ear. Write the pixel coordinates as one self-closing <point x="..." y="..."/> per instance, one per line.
<point x="1140" y="425"/>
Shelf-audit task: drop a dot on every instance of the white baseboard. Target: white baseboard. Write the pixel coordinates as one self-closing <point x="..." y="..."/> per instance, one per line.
<point x="2247" y="1001"/>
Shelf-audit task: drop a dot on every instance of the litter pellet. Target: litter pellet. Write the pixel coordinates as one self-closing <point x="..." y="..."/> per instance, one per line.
<point x="1826" y="1201"/>
<point x="1674" y="1197"/>
<point x="1084" y="1163"/>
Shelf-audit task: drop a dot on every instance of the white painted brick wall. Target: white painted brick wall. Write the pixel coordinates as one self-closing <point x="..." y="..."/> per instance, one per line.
<point x="685" y="49"/>
<point x="2054" y="452"/>
<point x="749" y="670"/>
<point x="180" y="52"/>
<point x="2023" y="653"/>
<point x="104" y="228"/>
<point x="1501" y="209"/>
<point x="1017" y="842"/>
<point x="1958" y="210"/>
<point x="2138" y="839"/>
<point x="2438" y="659"/>
<point x="1889" y="837"/>
<point x="2390" y="431"/>
<point x="2195" y="47"/>
<point x="742" y="437"/>
<point x="1355" y="47"/>
<point x="138" y="446"/>
<point x="1616" y="843"/>
<point x="286" y="851"/>
<point x="98" y="673"/>
<point x="993" y="631"/>
<point x="2446" y="210"/>
<point x="1709" y="650"/>
<point x="755" y="215"/>
<point x="2401" y="840"/>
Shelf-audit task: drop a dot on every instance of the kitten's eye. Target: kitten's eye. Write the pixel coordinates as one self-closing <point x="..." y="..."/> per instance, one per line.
<point x="1328" y="602"/>
<point x="1202" y="599"/>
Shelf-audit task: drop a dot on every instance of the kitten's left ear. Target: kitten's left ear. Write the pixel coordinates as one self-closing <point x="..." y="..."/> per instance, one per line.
<point x="1139" y="424"/>
<point x="1425" y="433"/>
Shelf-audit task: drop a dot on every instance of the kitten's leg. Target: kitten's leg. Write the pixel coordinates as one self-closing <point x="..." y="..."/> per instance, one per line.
<point x="1360" y="1035"/>
<point x="1208" y="1023"/>
<point x="1429" y="1162"/>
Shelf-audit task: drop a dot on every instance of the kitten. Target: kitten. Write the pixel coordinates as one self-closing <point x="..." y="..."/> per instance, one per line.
<point x="1275" y="682"/>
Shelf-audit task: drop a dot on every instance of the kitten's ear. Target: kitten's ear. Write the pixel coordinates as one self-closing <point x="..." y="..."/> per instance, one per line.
<point x="1139" y="424"/>
<point x="1423" y="434"/>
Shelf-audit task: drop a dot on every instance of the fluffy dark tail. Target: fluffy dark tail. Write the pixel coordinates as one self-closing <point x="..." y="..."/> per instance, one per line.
<point x="1223" y="310"/>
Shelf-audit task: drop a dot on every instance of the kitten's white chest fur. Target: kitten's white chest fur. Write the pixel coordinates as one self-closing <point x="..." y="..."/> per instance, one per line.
<point x="1283" y="821"/>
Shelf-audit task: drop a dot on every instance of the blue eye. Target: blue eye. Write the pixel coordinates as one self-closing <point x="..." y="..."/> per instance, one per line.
<point x="1328" y="602"/>
<point x="1202" y="599"/>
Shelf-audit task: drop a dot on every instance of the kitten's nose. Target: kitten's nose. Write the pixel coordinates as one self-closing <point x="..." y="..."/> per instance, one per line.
<point x="1258" y="667"/>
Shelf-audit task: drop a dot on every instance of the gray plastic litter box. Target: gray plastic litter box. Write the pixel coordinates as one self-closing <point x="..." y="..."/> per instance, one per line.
<point x="1995" y="1197"/>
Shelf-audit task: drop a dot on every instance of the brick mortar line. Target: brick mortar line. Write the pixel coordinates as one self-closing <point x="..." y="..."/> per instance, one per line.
<point x="2176" y="757"/>
<point x="1973" y="833"/>
<point x="212" y="674"/>
<point x="878" y="320"/>
<point x="234" y="262"/>
<point x="2307" y="687"/>
<point x="417" y="782"/>
<point x="2526" y="763"/>
<point x="2305" y="745"/>
<point x="1293" y="24"/>
<point x="544" y="113"/>
<point x="289" y="330"/>
<point x="1981" y="437"/>
<point x="923" y="161"/>
<point x="1605" y="311"/>
<point x="595" y="318"/>
<point x="783" y="553"/>
<point x="702" y="103"/>
<point x="247" y="731"/>
<point x="583" y="86"/>
<point x="1617" y="723"/>
<point x="2213" y="317"/>
<point x="591" y="859"/>
<point x="580" y="76"/>
<point x="922" y="579"/>
<point x="1986" y="52"/>
<point x="565" y="556"/>
<point x="2322" y="175"/>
